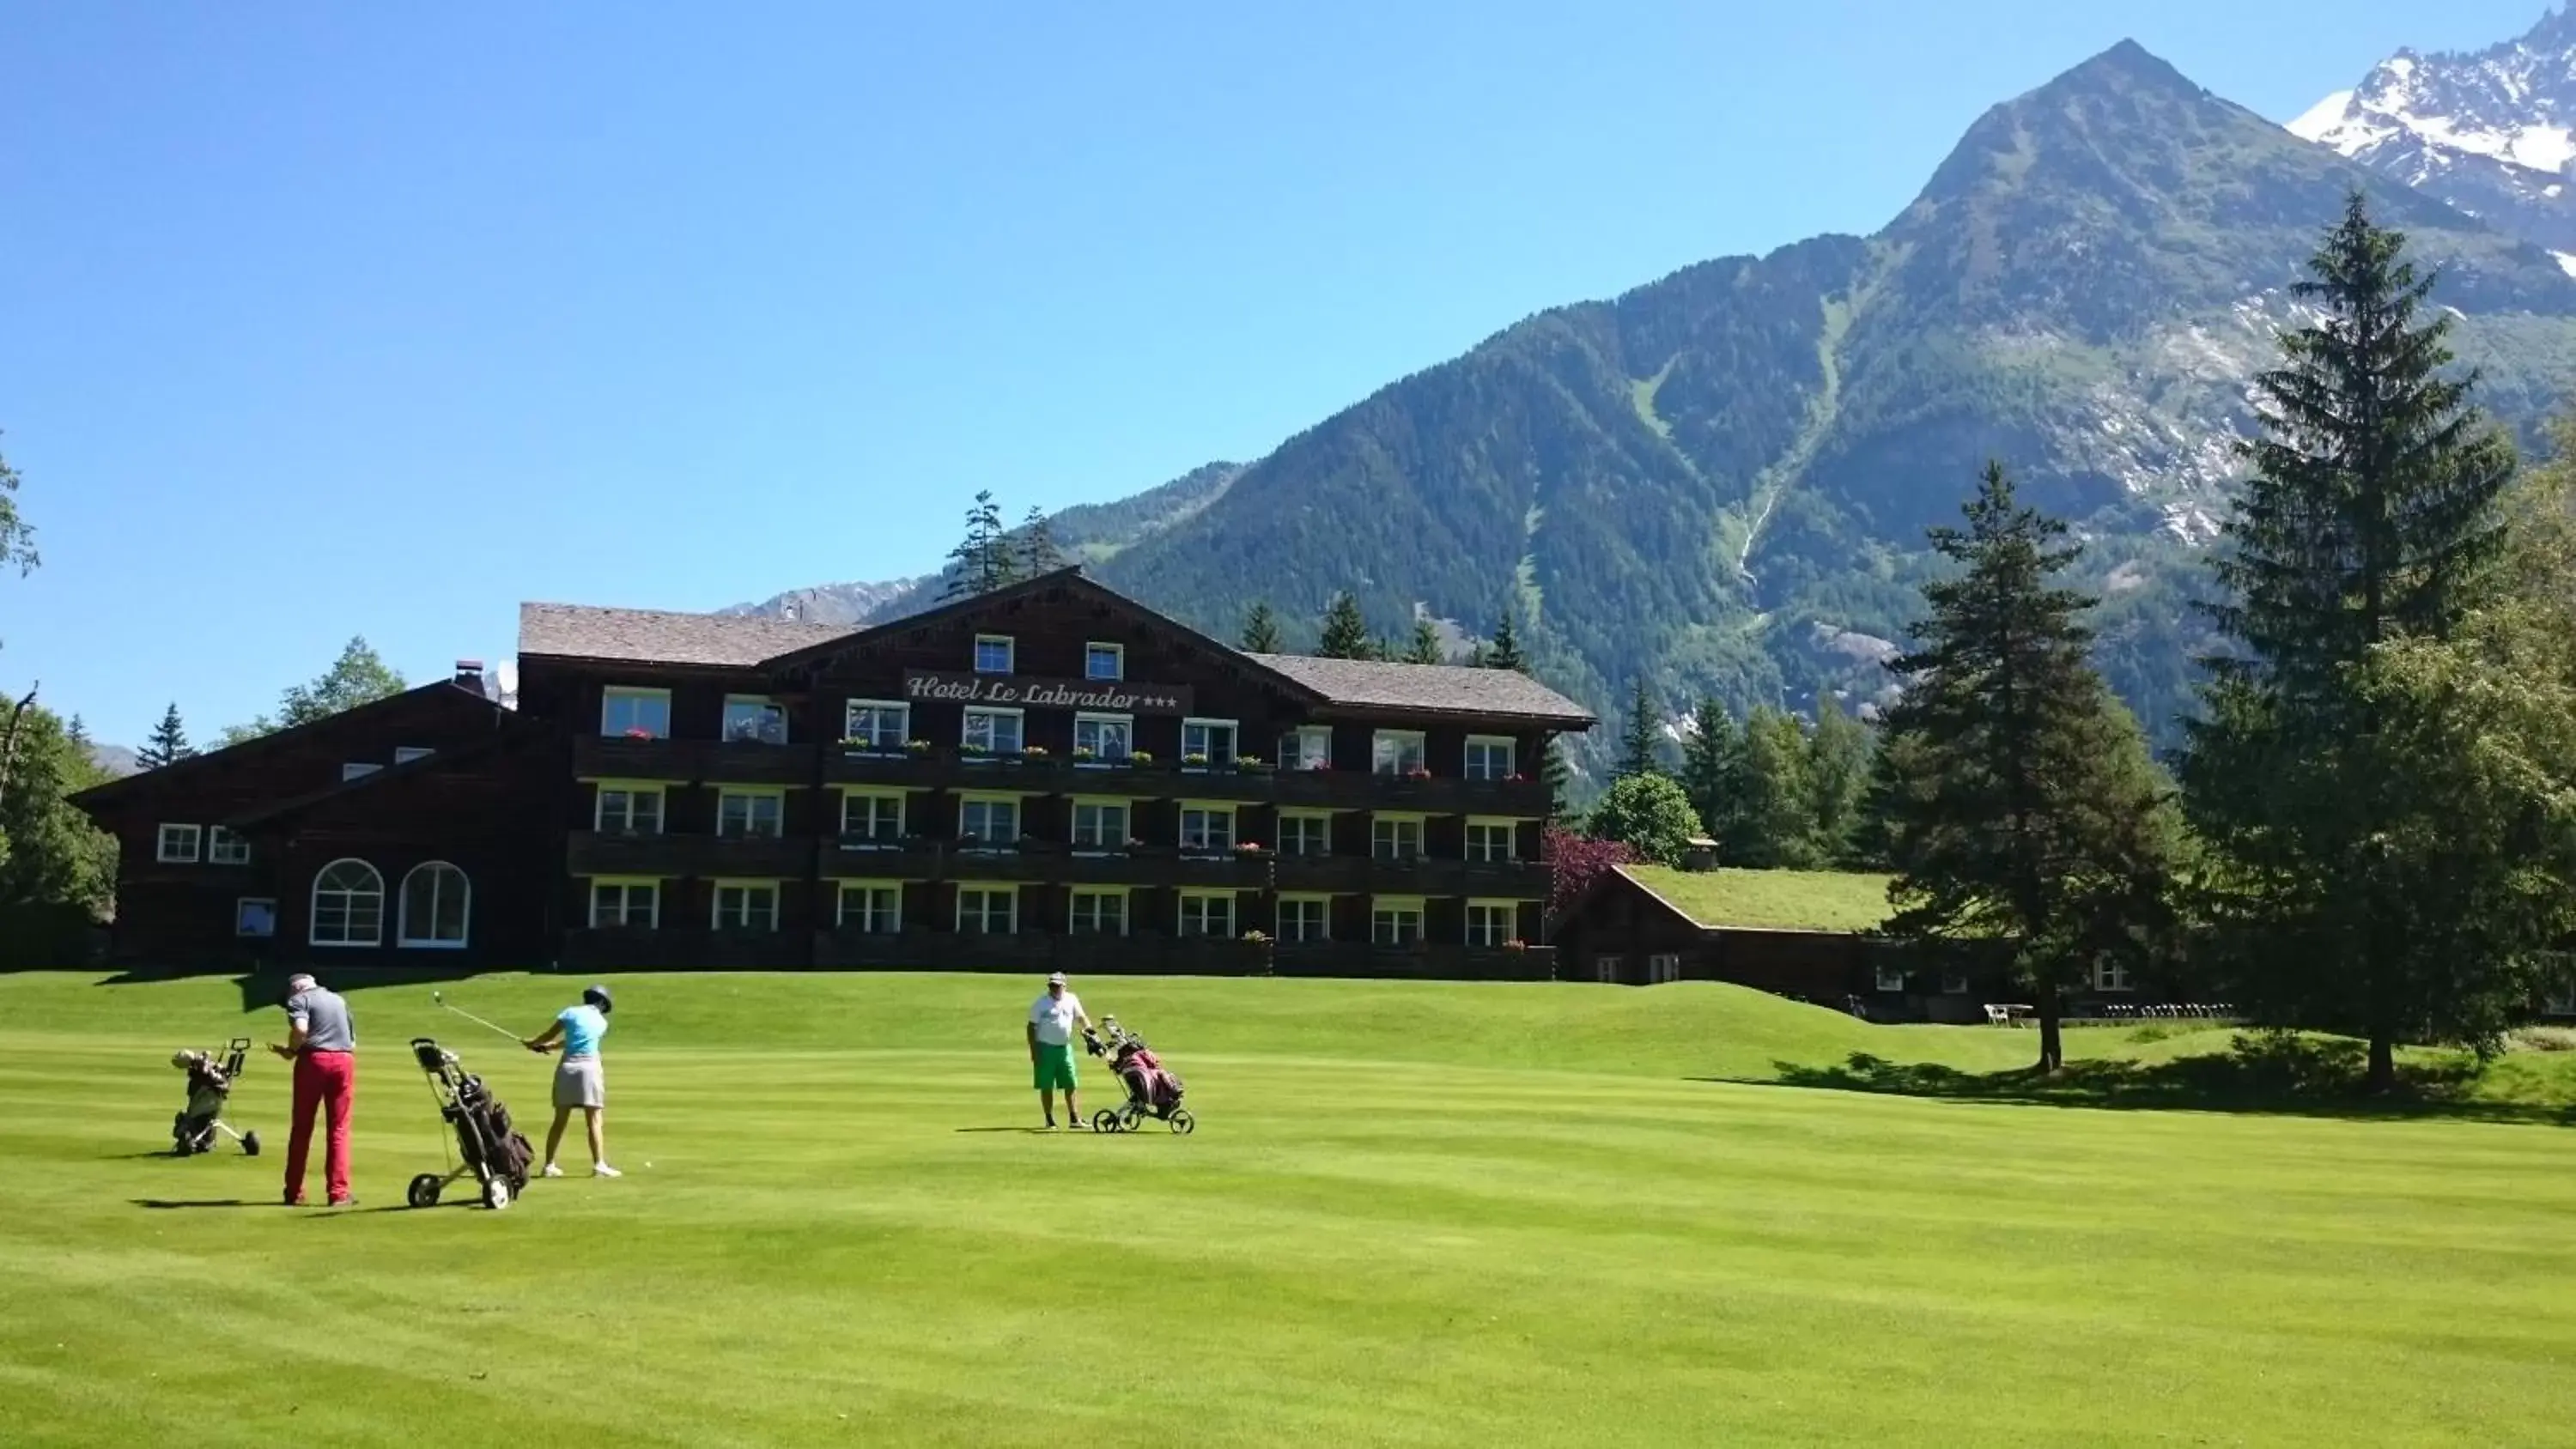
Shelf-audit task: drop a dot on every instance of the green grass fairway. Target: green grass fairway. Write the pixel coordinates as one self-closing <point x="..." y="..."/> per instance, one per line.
<point x="1784" y="900"/>
<point x="1493" y="1215"/>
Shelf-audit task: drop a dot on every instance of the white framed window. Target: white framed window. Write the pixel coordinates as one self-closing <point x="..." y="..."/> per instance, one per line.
<point x="1100" y="825"/>
<point x="1303" y="833"/>
<point x="1492" y="840"/>
<point x="1490" y="757"/>
<point x="1607" y="969"/>
<point x="1491" y="923"/>
<point x="1889" y="978"/>
<point x="1107" y="738"/>
<point x="2113" y="976"/>
<point x="1396" y="752"/>
<point x="1208" y="915"/>
<point x="1207" y="741"/>
<point x="348" y="905"/>
<point x="751" y="719"/>
<point x="226" y="847"/>
<point x="405" y="754"/>
<point x="988" y="910"/>
<point x="1104" y="661"/>
<point x="645" y="713"/>
<point x="872" y="907"/>
<point x="255" y="917"/>
<point x="357" y="770"/>
<point x="1207" y="827"/>
<point x="178" y="844"/>
<point x="876" y="724"/>
<point x="1395" y="922"/>
<point x="629" y="810"/>
<point x="988" y="821"/>
<point x="992" y="731"/>
<point x="1395" y="837"/>
<point x="746" y="905"/>
<point x="750" y="814"/>
<point x="1662" y="969"/>
<point x="1305" y="918"/>
<point x="994" y="654"/>
<point x="635" y="904"/>
<point x="1099" y="913"/>
<point x="1307" y="747"/>
<point x="437" y="908"/>
<point x="872" y="815"/>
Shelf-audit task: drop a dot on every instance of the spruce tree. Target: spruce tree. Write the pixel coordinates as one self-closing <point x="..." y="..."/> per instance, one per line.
<point x="1260" y="629"/>
<point x="1425" y="648"/>
<point x="1711" y="764"/>
<point x="2027" y="819"/>
<point x="1558" y="776"/>
<point x="1038" y="552"/>
<point x="1775" y="817"/>
<point x="168" y="744"/>
<point x="2371" y="518"/>
<point x="986" y="558"/>
<point x="1639" y="753"/>
<point x="1346" y="634"/>
<point x="1506" y="653"/>
<point x="1837" y="781"/>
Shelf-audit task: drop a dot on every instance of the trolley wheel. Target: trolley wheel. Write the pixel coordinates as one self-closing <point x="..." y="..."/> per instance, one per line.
<point x="1104" y="1120"/>
<point x="1128" y="1117"/>
<point x="250" y="1144"/>
<point x="180" y="1147"/>
<point x="423" y="1191"/>
<point x="496" y="1194"/>
<point x="1182" y="1123"/>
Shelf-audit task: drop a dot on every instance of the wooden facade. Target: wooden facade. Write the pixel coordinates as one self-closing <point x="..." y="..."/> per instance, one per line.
<point x="1049" y="776"/>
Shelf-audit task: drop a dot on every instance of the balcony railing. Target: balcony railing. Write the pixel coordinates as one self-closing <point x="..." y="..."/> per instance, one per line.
<point x="735" y="762"/>
<point x="591" y="852"/>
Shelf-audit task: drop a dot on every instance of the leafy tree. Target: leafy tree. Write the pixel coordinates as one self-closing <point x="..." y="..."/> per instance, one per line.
<point x="169" y="742"/>
<point x="1712" y="767"/>
<point x="50" y="855"/>
<point x="17" y="535"/>
<point x="1261" y="630"/>
<point x="986" y="558"/>
<point x="359" y="676"/>
<point x="1649" y="814"/>
<point x="1425" y="648"/>
<point x="2372" y="517"/>
<point x="1506" y="651"/>
<point x="1775" y="816"/>
<point x="1346" y="634"/>
<point x="1838" y="757"/>
<point x="1039" y="553"/>
<point x="2027" y="818"/>
<point x="1574" y="862"/>
<point x="1639" y="752"/>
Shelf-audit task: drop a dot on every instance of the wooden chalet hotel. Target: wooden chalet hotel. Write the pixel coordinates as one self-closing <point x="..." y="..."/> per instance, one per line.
<point x="1047" y="776"/>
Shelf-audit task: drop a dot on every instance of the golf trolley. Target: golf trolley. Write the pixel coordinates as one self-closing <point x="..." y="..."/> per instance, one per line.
<point x="210" y="1087"/>
<point x="1153" y="1090"/>
<point x="487" y="1148"/>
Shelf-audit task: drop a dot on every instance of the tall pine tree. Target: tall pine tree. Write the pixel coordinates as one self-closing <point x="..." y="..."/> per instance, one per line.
<point x="1712" y="764"/>
<point x="2027" y="819"/>
<point x="169" y="742"/>
<point x="1346" y="633"/>
<point x="1774" y="822"/>
<point x="2371" y="518"/>
<point x="1838" y="755"/>
<point x="986" y="558"/>
<point x="1506" y="653"/>
<point x="1039" y="553"/>
<point x="1639" y="751"/>
<point x="1425" y="648"/>
<point x="1260" y="629"/>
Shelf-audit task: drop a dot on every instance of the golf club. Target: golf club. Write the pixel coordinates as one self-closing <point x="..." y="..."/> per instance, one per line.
<point x="440" y="997"/>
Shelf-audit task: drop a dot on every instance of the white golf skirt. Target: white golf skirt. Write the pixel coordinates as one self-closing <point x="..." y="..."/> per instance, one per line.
<point x="580" y="1083"/>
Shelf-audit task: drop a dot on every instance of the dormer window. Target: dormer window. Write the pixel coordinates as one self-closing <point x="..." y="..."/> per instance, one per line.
<point x="1104" y="661"/>
<point x="993" y="654"/>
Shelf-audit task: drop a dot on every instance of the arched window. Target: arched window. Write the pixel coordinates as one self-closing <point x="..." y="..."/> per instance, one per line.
<point x="436" y="902"/>
<point x="348" y="905"/>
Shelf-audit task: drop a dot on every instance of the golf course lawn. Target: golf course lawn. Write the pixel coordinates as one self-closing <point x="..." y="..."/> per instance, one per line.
<point x="1497" y="1215"/>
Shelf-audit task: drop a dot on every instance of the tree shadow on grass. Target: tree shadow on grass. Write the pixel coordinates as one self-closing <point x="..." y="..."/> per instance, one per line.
<point x="262" y="987"/>
<point x="165" y="1203"/>
<point x="2265" y="1073"/>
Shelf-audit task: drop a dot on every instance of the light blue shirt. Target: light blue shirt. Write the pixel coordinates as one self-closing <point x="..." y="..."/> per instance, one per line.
<point x="583" y="1027"/>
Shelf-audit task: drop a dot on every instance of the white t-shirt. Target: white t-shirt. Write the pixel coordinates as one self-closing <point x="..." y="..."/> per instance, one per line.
<point x="1053" y="1016"/>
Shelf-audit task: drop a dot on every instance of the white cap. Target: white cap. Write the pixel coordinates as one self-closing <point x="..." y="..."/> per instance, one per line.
<point x="1056" y="980"/>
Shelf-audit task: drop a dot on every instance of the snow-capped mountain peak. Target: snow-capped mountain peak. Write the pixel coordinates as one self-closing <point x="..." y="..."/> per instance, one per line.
<point x="2488" y="131"/>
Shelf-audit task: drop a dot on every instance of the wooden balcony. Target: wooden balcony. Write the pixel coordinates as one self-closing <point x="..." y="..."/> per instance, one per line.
<point x="1435" y="795"/>
<point x="691" y="762"/>
<point x="590" y="852"/>
<point x="858" y="858"/>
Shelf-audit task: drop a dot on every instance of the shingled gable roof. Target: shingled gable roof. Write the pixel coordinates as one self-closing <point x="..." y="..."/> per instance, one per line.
<point x="180" y="770"/>
<point x="655" y="636"/>
<point x="509" y="730"/>
<point x="1442" y="689"/>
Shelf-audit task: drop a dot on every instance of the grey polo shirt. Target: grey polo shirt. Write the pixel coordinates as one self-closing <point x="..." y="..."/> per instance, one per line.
<point x="325" y="1019"/>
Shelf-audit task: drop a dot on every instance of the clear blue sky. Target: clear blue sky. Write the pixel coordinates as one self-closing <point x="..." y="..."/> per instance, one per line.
<point x="335" y="319"/>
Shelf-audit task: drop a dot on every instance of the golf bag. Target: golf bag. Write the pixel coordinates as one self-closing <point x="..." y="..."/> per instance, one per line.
<point x="210" y="1087"/>
<point x="489" y="1148"/>
<point x="1153" y="1090"/>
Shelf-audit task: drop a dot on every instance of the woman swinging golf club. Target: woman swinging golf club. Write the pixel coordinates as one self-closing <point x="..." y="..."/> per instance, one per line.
<point x="579" y="1082"/>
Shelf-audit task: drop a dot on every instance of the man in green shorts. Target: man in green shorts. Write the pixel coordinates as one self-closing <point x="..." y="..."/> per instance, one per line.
<point x="1051" y="1023"/>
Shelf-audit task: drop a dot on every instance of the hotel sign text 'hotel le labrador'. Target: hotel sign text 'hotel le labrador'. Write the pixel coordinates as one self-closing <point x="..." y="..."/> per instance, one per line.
<point x="1011" y="691"/>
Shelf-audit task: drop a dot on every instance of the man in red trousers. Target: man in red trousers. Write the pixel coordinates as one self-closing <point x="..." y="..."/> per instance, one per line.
<point x="324" y="1048"/>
